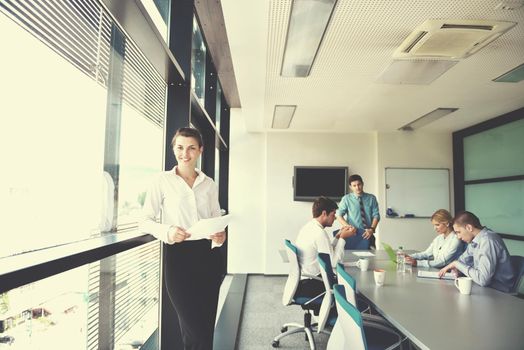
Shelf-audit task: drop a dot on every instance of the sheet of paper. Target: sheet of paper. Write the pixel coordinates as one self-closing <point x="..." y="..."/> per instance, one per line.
<point x="434" y="274"/>
<point x="363" y="254"/>
<point x="206" y="227"/>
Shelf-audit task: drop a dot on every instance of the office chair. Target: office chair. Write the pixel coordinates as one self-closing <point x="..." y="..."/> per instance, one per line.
<point x="288" y="298"/>
<point x="327" y="314"/>
<point x="350" y="285"/>
<point x="350" y="332"/>
<point x="350" y="288"/>
<point x="518" y="266"/>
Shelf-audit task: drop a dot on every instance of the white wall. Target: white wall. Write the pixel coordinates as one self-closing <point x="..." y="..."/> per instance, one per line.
<point x="415" y="149"/>
<point x="261" y="192"/>
<point x="247" y="198"/>
<point x="285" y="217"/>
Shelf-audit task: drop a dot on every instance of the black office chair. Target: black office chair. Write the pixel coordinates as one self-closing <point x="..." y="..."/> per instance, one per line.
<point x="289" y="298"/>
<point x="518" y="266"/>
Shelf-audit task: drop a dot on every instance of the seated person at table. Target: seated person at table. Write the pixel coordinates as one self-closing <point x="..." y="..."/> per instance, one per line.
<point x="358" y="210"/>
<point x="486" y="259"/>
<point x="313" y="239"/>
<point x="445" y="248"/>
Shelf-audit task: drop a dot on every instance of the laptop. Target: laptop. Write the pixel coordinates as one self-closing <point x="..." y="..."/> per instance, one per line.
<point x="391" y="253"/>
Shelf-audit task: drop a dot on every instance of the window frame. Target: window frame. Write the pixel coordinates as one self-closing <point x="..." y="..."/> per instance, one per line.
<point x="458" y="161"/>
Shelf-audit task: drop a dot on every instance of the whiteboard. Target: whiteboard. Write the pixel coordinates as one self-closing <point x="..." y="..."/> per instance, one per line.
<point x="417" y="191"/>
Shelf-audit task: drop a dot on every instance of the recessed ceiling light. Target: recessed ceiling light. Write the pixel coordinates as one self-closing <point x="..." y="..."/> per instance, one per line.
<point x="282" y="116"/>
<point x="307" y="24"/>
<point x="427" y="118"/>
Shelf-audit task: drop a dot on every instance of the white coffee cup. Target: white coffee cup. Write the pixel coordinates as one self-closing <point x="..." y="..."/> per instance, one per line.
<point x="363" y="264"/>
<point x="463" y="284"/>
<point x="380" y="276"/>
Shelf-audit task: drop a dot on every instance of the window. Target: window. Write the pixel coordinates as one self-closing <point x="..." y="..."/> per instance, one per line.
<point x="85" y="114"/>
<point x="218" y="111"/>
<point x="52" y="145"/>
<point x="198" y="63"/>
<point x="492" y="185"/>
<point x="158" y="11"/>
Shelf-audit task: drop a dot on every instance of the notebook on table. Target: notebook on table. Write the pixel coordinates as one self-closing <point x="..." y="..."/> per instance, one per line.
<point x="434" y="274"/>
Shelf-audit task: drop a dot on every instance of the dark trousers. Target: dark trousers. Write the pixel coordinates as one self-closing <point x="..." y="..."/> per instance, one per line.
<point x="311" y="288"/>
<point x="193" y="285"/>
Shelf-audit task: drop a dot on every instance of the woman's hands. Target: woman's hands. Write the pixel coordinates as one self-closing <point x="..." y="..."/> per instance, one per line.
<point x="410" y="260"/>
<point x="218" y="237"/>
<point x="177" y="234"/>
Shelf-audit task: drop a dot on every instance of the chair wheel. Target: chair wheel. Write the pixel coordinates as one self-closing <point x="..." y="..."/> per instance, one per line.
<point x="275" y="344"/>
<point x="283" y="329"/>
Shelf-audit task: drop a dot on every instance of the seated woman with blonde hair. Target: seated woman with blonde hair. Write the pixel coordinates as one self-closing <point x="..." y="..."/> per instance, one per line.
<point x="445" y="247"/>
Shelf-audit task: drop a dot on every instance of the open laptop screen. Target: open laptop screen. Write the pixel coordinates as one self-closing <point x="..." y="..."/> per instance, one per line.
<point x="391" y="253"/>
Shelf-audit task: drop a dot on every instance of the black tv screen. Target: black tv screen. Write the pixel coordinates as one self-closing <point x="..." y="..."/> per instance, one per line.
<point x="311" y="182"/>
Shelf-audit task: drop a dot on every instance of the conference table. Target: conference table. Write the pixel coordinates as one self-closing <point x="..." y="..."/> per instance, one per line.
<point x="434" y="315"/>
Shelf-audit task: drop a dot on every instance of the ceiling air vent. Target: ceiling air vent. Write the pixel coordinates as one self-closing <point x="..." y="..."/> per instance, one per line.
<point x="450" y="39"/>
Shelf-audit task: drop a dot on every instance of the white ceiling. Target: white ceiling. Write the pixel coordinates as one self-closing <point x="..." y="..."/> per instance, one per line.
<point x="342" y="93"/>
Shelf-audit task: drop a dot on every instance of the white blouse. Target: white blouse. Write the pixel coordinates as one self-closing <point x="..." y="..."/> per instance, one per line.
<point x="171" y="198"/>
<point x="440" y="252"/>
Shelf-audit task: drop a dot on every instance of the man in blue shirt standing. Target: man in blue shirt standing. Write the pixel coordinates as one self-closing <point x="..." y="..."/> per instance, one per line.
<point x="486" y="259"/>
<point x="358" y="210"/>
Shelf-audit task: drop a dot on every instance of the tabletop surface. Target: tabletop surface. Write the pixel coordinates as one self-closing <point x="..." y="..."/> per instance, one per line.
<point x="434" y="315"/>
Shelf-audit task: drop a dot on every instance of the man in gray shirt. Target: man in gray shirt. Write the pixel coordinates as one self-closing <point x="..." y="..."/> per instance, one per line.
<point x="486" y="259"/>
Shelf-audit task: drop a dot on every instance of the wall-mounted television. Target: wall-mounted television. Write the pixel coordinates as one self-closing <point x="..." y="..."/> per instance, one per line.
<point x="310" y="182"/>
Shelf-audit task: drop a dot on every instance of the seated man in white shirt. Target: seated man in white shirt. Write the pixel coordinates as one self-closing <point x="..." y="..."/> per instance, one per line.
<point x="313" y="239"/>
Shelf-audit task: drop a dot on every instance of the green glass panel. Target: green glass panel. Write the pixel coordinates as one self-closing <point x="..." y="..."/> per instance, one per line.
<point x="515" y="247"/>
<point x="513" y="76"/>
<point x="497" y="152"/>
<point x="499" y="205"/>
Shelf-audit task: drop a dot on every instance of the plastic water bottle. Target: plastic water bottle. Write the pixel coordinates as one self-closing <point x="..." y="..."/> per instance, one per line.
<point x="401" y="268"/>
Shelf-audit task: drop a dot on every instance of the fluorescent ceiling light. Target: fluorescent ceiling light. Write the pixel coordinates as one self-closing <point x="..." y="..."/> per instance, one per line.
<point x="307" y="24"/>
<point x="427" y="118"/>
<point x="282" y="116"/>
<point x="418" y="72"/>
<point x="513" y="76"/>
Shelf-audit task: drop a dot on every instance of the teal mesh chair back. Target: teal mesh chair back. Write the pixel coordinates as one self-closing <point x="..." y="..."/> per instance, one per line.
<point x="325" y="267"/>
<point x="349" y="321"/>
<point x="349" y="283"/>
<point x="294" y="273"/>
<point x="329" y="279"/>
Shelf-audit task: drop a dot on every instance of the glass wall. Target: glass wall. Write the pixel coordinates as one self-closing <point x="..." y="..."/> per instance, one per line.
<point x="56" y="110"/>
<point x="66" y="308"/>
<point x="198" y="63"/>
<point x="497" y="152"/>
<point x="52" y="141"/>
<point x="83" y="121"/>
<point x="493" y="182"/>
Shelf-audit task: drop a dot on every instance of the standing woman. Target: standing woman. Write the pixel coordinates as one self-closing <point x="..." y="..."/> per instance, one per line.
<point x="445" y="248"/>
<point x="183" y="196"/>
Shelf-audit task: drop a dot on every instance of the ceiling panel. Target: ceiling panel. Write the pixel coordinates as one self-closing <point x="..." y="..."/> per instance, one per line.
<point x="342" y="93"/>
